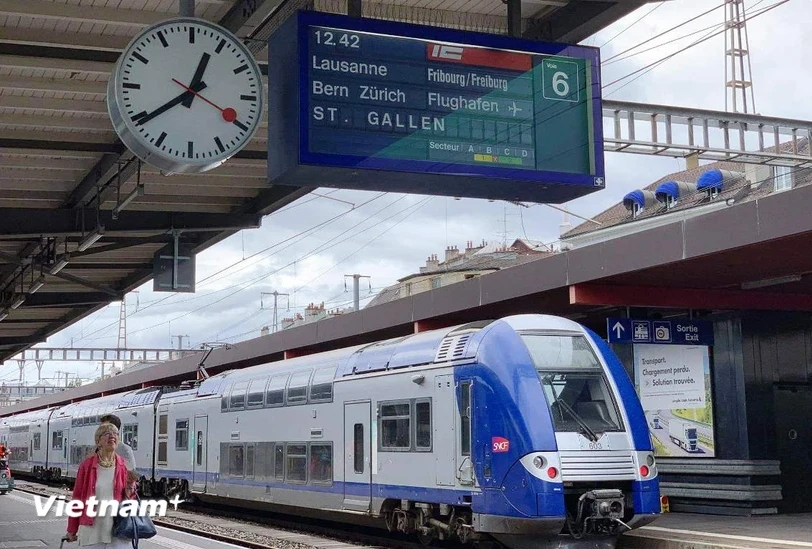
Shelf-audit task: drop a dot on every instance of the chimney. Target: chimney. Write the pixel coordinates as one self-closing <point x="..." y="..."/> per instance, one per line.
<point x="264" y="331"/>
<point x="451" y="252"/>
<point x="432" y="264"/>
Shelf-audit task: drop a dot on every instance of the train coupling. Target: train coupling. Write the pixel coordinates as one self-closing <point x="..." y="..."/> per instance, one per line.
<point x="599" y="512"/>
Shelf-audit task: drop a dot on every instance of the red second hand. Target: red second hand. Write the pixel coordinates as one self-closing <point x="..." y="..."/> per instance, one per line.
<point x="229" y="114"/>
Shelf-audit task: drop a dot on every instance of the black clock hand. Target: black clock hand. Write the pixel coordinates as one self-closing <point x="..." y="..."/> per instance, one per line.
<point x="201" y="68"/>
<point x="166" y="106"/>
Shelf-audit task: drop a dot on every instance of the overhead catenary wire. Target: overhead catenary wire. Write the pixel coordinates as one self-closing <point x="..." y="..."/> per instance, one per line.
<point x="652" y="10"/>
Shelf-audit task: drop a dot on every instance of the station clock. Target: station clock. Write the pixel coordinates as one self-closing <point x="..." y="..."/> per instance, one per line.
<point x="185" y="95"/>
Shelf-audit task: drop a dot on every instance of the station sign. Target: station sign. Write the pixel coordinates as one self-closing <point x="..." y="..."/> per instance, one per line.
<point x="663" y="332"/>
<point x="444" y="112"/>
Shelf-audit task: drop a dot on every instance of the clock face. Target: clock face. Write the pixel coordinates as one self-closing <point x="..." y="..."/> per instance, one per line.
<point x="186" y="95"/>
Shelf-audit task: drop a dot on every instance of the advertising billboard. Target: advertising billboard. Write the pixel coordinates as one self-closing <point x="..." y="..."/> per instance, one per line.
<point x="674" y="385"/>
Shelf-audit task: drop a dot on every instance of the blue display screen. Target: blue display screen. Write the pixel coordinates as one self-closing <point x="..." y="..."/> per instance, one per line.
<point x="386" y="96"/>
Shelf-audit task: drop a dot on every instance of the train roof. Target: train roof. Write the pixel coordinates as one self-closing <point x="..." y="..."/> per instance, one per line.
<point x="27" y="417"/>
<point x="139" y="397"/>
<point x="400" y="352"/>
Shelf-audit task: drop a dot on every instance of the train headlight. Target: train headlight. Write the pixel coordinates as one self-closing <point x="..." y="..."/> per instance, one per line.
<point x="538" y="462"/>
<point x="650" y="460"/>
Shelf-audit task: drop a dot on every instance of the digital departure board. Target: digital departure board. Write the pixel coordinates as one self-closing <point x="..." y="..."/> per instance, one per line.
<point x="446" y="112"/>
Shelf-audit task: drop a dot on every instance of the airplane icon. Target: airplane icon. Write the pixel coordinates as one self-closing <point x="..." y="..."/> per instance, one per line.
<point x="514" y="108"/>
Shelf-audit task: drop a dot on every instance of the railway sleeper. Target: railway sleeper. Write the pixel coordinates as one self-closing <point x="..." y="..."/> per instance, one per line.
<point x="429" y="521"/>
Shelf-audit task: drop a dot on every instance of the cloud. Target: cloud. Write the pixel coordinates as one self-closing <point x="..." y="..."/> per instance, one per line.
<point x="391" y="236"/>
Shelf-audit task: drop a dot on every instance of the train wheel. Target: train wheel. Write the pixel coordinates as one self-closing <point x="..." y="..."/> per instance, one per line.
<point x="425" y="539"/>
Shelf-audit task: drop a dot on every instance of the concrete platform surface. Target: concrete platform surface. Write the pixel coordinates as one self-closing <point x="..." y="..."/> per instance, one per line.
<point x="21" y="528"/>
<point x="689" y="531"/>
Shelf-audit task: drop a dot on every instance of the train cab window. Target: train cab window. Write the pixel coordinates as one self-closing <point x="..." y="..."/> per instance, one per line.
<point x="422" y="417"/>
<point x="395" y="426"/>
<point x="575" y="386"/>
<point x="296" y="466"/>
<point x="275" y="394"/>
<point x="321" y="387"/>
<point x="237" y="397"/>
<point x="358" y="448"/>
<point x="182" y="435"/>
<point x="465" y="418"/>
<point x="256" y="392"/>
<point x="297" y="388"/>
<point x="279" y="462"/>
<point x="321" y="463"/>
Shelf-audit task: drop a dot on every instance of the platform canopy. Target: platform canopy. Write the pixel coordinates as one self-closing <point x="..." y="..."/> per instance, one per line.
<point x="60" y="159"/>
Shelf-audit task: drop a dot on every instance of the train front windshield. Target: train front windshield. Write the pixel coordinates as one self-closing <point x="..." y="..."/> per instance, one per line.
<point x="575" y="385"/>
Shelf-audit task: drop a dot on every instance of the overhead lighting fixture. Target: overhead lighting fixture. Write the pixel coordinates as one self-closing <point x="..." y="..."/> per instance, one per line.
<point x="17" y="302"/>
<point x="91" y="238"/>
<point x="135" y="193"/>
<point x="771" y="282"/>
<point x="3" y="314"/>
<point x="61" y="263"/>
<point x="36" y="285"/>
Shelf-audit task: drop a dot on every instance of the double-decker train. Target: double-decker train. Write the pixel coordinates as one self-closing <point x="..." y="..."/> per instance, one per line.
<point x="521" y="430"/>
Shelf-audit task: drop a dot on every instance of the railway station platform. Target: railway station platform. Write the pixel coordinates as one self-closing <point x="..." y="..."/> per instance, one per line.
<point x="21" y="528"/>
<point x="693" y="531"/>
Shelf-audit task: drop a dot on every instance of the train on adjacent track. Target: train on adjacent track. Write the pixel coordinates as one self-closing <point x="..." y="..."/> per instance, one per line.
<point x="520" y="430"/>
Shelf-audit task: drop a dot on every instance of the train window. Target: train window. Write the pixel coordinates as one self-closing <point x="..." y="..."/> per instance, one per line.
<point x="224" y="401"/>
<point x="422" y="417"/>
<point x="465" y="418"/>
<point x="358" y="447"/>
<point x="296" y="470"/>
<point x="37" y="437"/>
<point x="321" y="463"/>
<point x="162" y="447"/>
<point x="275" y="395"/>
<point x="237" y="397"/>
<point x="395" y="430"/>
<point x="297" y="388"/>
<point x="129" y="435"/>
<point x="56" y="440"/>
<point x="279" y="462"/>
<point x="182" y="435"/>
<point x="249" y="460"/>
<point x="163" y="424"/>
<point x="321" y="388"/>
<point x="236" y="461"/>
<point x="552" y="352"/>
<point x="256" y="392"/>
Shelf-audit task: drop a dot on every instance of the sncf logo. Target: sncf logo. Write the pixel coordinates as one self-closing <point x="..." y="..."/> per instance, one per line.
<point x="499" y="445"/>
<point x="439" y="51"/>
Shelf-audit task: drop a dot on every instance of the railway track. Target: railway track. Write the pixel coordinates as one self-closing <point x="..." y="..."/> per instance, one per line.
<point x="256" y="530"/>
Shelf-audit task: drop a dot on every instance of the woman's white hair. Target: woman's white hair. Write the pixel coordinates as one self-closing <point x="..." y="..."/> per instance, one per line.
<point x="103" y="429"/>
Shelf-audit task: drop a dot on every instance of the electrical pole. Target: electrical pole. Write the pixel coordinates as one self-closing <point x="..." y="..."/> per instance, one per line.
<point x="275" y="295"/>
<point x="40" y="364"/>
<point x="738" y="71"/>
<point x="180" y="340"/>
<point x="356" y="289"/>
<point x="21" y="364"/>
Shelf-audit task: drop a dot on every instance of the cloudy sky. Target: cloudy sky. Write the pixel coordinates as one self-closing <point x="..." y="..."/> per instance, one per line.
<point x="306" y="249"/>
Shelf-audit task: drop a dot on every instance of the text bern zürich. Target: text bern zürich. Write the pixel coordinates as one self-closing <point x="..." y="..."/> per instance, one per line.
<point x="382" y="95"/>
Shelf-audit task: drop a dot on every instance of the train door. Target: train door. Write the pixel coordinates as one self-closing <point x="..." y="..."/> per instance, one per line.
<point x="444" y="436"/>
<point x="358" y="456"/>
<point x="199" y="466"/>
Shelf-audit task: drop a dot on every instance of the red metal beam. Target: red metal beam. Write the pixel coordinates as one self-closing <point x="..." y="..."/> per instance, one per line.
<point x="687" y="298"/>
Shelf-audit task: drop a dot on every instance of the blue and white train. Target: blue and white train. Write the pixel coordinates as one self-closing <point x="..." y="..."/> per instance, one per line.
<point x="524" y="430"/>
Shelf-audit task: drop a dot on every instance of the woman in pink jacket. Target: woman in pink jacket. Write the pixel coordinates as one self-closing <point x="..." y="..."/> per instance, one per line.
<point x="103" y="475"/>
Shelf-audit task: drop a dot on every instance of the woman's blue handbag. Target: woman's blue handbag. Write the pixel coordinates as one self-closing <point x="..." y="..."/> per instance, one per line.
<point x="134" y="528"/>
